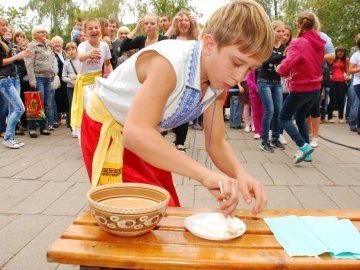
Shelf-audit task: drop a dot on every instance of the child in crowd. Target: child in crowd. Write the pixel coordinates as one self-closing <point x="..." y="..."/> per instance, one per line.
<point x="75" y="33"/>
<point x="130" y="107"/>
<point x="69" y="74"/>
<point x="93" y="55"/>
<point x="257" y="108"/>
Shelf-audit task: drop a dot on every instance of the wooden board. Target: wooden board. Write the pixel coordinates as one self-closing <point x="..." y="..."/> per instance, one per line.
<point x="171" y="246"/>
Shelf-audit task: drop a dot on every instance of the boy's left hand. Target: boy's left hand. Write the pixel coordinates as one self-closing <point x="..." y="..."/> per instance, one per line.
<point x="251" y="188"/>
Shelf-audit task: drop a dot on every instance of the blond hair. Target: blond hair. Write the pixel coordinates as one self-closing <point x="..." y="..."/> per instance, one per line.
<point x="192" y="34"/>
<point x="243" y="23"/>
<point x="275" y="24"/>
<point x="36" y="29"/>
<point x="2" y="43"/>
<point x="56" y="39"/>
<point x="70" y="45"/>
<point x="306" y="21"/>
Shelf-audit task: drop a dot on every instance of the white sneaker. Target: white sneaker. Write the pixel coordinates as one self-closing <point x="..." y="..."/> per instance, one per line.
<point x="21" y="144"/>
<point x="331" y="120"/>
<point x="181" y="148"/>
<point x="314" y="143"/>
<point x="257" y="136"/>
<point x="342" y="120"/>
<point x="282" y="139"/>
<point x="74" y="134"/>
<point x="11" y="144"/>
<point x="247" y="129"/>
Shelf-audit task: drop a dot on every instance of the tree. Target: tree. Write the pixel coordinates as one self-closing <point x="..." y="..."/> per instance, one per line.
<point x="17" y="19"/>
<point x="59" y="12"/>
<point x="339" y="19"/>
<point x="171" y="7"/>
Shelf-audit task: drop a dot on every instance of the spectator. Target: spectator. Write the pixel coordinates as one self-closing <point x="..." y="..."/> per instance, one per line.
<point x="165" y="23"/>
<point x="303" y="64"/>
<point x="10" y="86"/>
<point x="353" y="100"/>
<point x="355" y="69"/>
<point x="75" y="32"/>
<point x="40" y="69"/>
<point x="257" y="108"/>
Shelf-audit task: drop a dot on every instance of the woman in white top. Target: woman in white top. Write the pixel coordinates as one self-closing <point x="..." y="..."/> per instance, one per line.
<point x="93" y="55"/>
<point x="355" y="69"/>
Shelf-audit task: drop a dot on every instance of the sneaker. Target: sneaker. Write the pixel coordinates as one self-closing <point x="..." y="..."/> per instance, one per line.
<point x="21" y="144"/>
<point x="277" y="144"/>
<point x="331" y="120"/>
<point x="303" y="151"/>
<point x="308" y="158"/>
<point x="257" y="136"/>
<point x="266" y="147"/>
<point x="354" y="129"/>
<point x="282" y="140"/>
<point x="11" y="144"/>
<point x="247" y="129"/>
<point x="51" y="128"/>
<point x="74" y="134"/>
<point x="181" y="148"/>
<point x="341" y="120"/>
<point x="197" y="127"/>
<point x="314" y="143"/>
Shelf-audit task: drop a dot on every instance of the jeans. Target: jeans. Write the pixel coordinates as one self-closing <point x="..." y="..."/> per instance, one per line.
<point x="325" y="101"/>
<point x="353" y="102"/>
<point x="272" y="99"/>
<point x="235" y="111"/>
<point x="44" y="86"/>
<point x="357" y="92"/>
<point x="16" y="108"/>
<point x="4" y="110"/>
<point x="298" y="104"/>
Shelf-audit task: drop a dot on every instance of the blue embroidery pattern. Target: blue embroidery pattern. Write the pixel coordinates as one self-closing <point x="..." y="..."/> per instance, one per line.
<point x="189" y="106"/>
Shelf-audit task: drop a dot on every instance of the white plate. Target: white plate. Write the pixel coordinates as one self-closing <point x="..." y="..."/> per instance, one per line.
<point x="211" y="226"/>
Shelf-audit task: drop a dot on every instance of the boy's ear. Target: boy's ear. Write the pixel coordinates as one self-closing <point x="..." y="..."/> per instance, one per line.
<point x="209" y="44"/>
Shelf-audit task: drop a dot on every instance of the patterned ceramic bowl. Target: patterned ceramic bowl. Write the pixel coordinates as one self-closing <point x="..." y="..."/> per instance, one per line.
<point x="128" y="209"/>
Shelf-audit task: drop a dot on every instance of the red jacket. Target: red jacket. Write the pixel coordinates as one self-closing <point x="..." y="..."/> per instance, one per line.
<point x="303" y="62"/>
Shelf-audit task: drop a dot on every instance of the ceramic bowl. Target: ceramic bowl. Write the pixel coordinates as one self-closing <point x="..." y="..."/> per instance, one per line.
<point x="128" y="209"/>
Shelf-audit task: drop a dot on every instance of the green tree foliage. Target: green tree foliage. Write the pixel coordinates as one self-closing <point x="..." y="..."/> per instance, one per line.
<point x="59" y="12"/>
<point x="340" y="19"/>
<point x="171" y="7"/>
<point x="102" y="9"/>
<point x="17" y="19"/>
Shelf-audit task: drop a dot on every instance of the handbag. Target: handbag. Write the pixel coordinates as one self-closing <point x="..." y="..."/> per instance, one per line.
<point x="55" y="84"/>
<point x="34" y="106"/>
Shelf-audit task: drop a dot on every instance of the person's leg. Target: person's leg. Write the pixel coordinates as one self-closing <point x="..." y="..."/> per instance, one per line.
<point x="4" y="110"/>
<point x="332" y="95"/>
<point x="235" y="119"/>
<point x="357" y="92"/>
<point x="266" y="99"/>
<point x="24" y="86"/>
<point x="277" y="97"/>
<point x="355" y="101"/>
<point x="48" y="101"/>
<point x="314" y="122"/>
<point x="341" y="100"/>
<point x="247" y="117"/>
<point x="180" y="136"/>
<point x="13" y="96"/>
<point x="291" y="105"/>
<point x="257" y="113"/>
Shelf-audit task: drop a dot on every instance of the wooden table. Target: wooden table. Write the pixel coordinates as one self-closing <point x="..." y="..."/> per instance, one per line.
<point x="170" y="246"/>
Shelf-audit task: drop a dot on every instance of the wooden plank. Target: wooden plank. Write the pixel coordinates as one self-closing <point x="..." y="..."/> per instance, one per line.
<point x="170" y="257"/>
<point x="246" y="214"/>
<point x="161" y="238"/>
<point x="177" y="223"/>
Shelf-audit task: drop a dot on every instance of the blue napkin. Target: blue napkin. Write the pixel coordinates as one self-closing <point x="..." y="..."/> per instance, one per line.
<point x="312" y="236"/>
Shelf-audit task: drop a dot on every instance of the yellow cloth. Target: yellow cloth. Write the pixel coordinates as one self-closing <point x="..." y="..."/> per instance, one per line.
<point x="108" y="160"/>
<point x="77" y="105"/>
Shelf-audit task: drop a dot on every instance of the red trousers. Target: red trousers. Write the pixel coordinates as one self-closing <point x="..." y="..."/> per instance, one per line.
<point x="135" y="170"/>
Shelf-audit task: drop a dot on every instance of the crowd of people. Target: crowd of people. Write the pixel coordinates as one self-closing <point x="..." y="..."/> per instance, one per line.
<point x="268" y="78"/>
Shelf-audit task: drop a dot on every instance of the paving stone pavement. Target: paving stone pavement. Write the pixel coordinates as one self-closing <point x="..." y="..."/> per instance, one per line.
<point x="43" y="185"/>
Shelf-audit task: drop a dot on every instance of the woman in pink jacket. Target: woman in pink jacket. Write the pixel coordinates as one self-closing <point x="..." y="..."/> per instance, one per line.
<point x="303" y="66"/>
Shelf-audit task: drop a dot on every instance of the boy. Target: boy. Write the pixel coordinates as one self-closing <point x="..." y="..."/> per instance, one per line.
<point x="69" y="74"/>
<point x="74" y="35"/>
<point x="165" y="85"/>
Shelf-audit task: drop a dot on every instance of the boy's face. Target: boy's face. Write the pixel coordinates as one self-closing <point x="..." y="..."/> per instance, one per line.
<point x="112" y="29"/>
<point x="71" y="52"/>
<point x="226" y="66"/>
